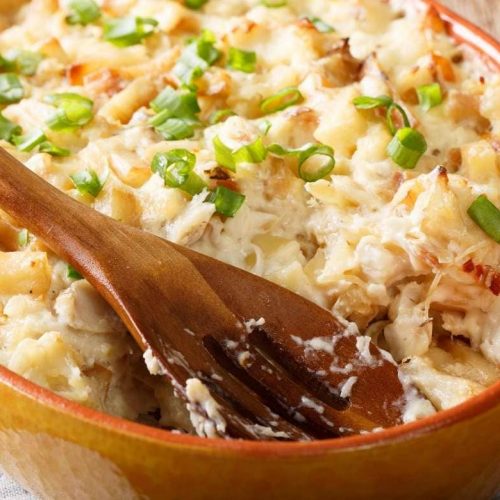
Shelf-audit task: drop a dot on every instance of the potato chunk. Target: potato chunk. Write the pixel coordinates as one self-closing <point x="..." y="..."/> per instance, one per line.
<point x="24" y="273"/>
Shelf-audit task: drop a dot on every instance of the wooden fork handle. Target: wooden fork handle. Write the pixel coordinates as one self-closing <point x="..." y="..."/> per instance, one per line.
<point x="48" y="213"/>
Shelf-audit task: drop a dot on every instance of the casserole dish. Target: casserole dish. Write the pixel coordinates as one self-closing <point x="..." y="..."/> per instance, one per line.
<point x="59" y="449"/>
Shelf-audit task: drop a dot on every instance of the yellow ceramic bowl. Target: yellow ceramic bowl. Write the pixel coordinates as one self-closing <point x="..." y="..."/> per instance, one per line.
<point x="58" y="449"/>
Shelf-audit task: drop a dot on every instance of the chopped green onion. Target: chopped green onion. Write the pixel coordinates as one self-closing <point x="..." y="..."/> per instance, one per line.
<point x="176" y="114"/>
<point x="265" y="126"/>
<point x="242" y="60"/>
<point x="73" y="274"/>
<point x="367" y="102"/>
<point x="73" y="111"/>
<point x="254" y="152"/>
<point x="23" y="238"/>
<point x="87" y="182"/>
<point x="227" y="202"/>
<point x="11" y="89"/>
<point x="429" y="96"/>
<point x="24" y="62"/>
<point x="320" y="25"/>
<point x="83" y="12"/>
<point x="486" y="215"/>
<point x="7" y="64"/>
<point x="220" y="116"/>
<point x="308" y="169"/>
<point x="282" y="100"/>
<point x="29" y="142"/>
<point x="382" y="101"/>
<point x="407" y="147"/>
<point x="175" y="129"/>
<point x="8" y="129"/>
<point x="196" y="58"/>
<point x="127" y="31"/>
<point x="180" y="104"/>
<point x="390" y="121"/>
<point x="53" y="150"/>
<point x="195" y="4"/>
<point x="175" y="167"/>
<point x="274" y="4"/>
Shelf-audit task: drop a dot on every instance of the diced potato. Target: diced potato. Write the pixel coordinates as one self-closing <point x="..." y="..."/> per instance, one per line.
<point x="341" y="124"/>
<point x="24" y="273"/>
<point x="121" y="107"/>
<point x="52" y="363"/>
<point x="457" y="358"/>
<point x="125" y="207"/>
<point x="82" y="308"/>
<point x="8" y="236"/>
<point x="126" y="167"/>
<point x="480" y="162"/>
<point x="443" y="390"/>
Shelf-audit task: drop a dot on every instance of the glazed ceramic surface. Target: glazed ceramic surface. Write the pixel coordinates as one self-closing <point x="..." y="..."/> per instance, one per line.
<point x="60" y="450"/>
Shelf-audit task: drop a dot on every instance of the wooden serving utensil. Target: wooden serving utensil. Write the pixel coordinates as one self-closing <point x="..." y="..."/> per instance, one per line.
<point x="301" y="374"/>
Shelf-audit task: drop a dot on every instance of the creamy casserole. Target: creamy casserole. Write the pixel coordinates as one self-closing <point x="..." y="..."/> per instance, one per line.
<point x="347" y="150"/>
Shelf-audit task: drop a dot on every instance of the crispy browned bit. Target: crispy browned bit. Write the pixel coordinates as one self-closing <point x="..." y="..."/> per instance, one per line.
<point x="441" y="68"/>
<point x="227" y="183"/>
<point x="105" y="81"/>
<point x="342" y="67"/>
<point x="457" y="58"/>
<point x="433" y="21"/>
<point x="306" y="23"/>
<point x="410" y="96"/>
<point x="246" y="26"/>
<point x="218" y="173"/>
<point x="463" y="107"/>
<point x="453" y="160"/>
<point x="75" y="74"/>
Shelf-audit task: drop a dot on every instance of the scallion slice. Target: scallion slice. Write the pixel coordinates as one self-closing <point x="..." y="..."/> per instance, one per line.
<point x="265" y="126"/>
<point x="390" y="120"/>
<point x="73" y="111"/>
<point x="11" y="88"/>
<point x="23" y="238"/>
<point x="320" y="25"/>
<point x="407" y="147"/>
<point x="274" y="4"/>
<point x="30" y="141"/>
<point x="127" y="31"/>
<point x="176" y="113"/>
<point x="220" y="116"/>
<point x="8" y="129"/>
<point x="242" y="60"/>
<point x="486" y="215"/>
<point x="227" y="202"/>
<point x="315" y="161"/>
<point x="73" y="274"/>
<point x="180" y="104"/>
<point x="175" y="167"/>
<point x="196" y="58"/>
<point x="82" y="12"/>
<point x="195" y="4"/>
<point x="175" y="129"/>
<point x="87" y="182"/>
<point x="283" y="99"/>
<point x="367" y="102"/>
<point x="429" y="96"/>
<point x="254" y="152"/>
<point x="53" y="150"/>
<point x="24" y="62"/>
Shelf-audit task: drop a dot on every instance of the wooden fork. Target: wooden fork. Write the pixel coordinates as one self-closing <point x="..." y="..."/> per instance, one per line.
<point x="280" y="380"/>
